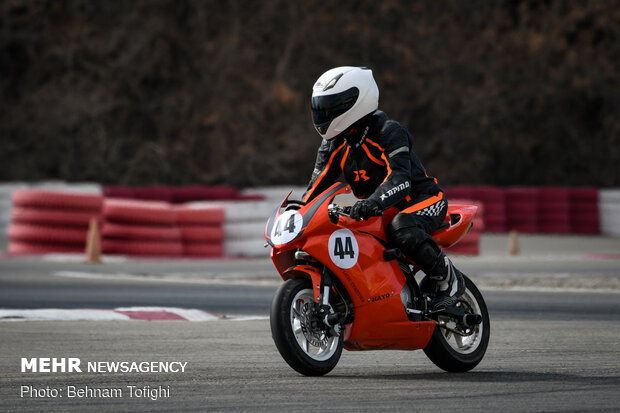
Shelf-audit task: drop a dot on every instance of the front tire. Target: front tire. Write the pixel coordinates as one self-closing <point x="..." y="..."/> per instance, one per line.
<point x="309" y="350"/>
<point x="454" y="353"/>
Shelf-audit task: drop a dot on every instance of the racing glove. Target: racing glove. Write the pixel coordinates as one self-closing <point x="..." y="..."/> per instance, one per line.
<point x="364" y="209"/>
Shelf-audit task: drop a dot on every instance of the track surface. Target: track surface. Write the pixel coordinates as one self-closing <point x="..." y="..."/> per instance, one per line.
<point x="549" y="351"/>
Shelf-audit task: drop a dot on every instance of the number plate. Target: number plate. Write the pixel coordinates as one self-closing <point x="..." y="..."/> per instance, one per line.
<point x="287" y="227"/>
<point x="343" y="248"/>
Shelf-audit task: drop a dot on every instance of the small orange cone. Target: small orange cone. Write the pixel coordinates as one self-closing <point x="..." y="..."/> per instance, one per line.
<point x="513" y="243"/>
<point x="93" y="243"/>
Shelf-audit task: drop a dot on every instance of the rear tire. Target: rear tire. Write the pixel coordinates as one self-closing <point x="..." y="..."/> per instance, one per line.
<point x="453" y="353"/>
<point x="292" y="333"/>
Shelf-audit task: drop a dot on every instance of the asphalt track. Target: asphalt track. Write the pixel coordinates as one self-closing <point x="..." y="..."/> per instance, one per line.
<point x="535" y="363"/>
<point x="555" y="346"/>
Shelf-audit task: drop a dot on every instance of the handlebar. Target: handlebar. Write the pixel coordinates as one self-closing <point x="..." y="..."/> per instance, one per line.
<point x="336" y="211"/>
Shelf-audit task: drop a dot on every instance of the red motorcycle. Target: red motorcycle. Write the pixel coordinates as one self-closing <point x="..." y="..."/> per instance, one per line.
<point x="346" y="287"/>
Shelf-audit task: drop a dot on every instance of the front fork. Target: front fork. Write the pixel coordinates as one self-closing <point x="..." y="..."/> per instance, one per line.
<point x="322" y="313"/>
<point x="323" y="310"/>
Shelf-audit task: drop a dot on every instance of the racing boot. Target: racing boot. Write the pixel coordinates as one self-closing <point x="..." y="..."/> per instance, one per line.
<point x="450" y="283"/>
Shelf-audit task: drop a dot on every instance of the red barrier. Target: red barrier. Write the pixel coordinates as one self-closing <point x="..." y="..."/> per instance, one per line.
<point x="584" y="214"/>
<point x="52" y="217"/>
<point x="522" y="209"/>
<point x="47" y="221"/>
<point x="179" y="195"/>
<point x="154" y="193"/>
<point x="494" y="211"/>
<point x="117" y="191"/>
<point x="158" y="228"/>
<point x="47" y="234"/>
<point x="190" y="193"/>
<point x="202" y="230"/>
<point x="203" y="215"/>
<point x="139" y="212"/>
<point x="554" y="210"/>
<point x="140" y="232"/>
<point x="203" y="233"/>
<point x="56" y="200"/>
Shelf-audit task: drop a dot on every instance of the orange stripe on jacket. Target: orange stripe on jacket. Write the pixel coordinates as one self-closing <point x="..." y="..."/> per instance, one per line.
<point x="387" y="165"/>
<point x="372" y="158"/>
<point x="344" y="158"/>
<point x="426" y="203"/>
<point x="322" y="175"/>
<point x="385" y="161"/>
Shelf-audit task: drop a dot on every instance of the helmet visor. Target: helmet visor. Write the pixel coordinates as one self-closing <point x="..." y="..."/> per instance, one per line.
<point x="328" y="107"/>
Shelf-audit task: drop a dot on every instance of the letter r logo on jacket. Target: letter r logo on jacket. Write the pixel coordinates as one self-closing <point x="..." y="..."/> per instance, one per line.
<point x="361" y="173"/>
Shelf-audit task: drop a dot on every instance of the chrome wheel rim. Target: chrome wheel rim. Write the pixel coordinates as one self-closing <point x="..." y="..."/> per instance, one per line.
<point x="469" y="343"/>
<point x="315" y="343"/>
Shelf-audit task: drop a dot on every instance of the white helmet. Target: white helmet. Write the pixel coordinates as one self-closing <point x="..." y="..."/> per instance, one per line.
<point x="341" y="97"/>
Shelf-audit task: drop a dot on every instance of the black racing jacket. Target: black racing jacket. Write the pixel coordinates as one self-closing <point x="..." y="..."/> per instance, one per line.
<point x="377" y="159"/>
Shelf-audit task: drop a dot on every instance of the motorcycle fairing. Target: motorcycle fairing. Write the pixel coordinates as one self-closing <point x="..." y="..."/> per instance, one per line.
<point x="373" y="284"/>
<point x="310" y="209"/>
<point x="306" y="271"/>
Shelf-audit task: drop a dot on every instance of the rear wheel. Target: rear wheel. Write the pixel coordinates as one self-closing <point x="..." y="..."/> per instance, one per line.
<point x="302" y="340"/>
<point x="453" y="352"/>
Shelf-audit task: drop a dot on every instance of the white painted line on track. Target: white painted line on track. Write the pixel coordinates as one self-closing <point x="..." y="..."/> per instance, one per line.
<point x="188" y="314"/>
<point x="60" y="314"/>
<point x="186" y="278"/>
<point x="80" y="258"/>
<point x="117" y="314"/>
<point x="248" y="318"/>
<point x="487" y="280"/>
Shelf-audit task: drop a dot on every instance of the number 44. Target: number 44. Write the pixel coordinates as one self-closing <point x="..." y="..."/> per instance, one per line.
<point x="341" y="249"/>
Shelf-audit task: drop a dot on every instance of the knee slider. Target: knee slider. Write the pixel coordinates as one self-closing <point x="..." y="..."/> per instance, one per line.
<point x="426" y="256"/>
<point x="408" y="239"/>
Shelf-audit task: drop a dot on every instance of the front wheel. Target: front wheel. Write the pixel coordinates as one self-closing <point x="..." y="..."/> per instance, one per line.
<point x="301" y="340"/>
<point x="459" y="353"/>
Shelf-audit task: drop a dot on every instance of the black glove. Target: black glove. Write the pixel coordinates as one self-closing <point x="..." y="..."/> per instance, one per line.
<point x="364" y="209"/>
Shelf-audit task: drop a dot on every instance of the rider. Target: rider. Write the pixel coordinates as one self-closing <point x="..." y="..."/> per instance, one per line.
<point x="375" y="155"/>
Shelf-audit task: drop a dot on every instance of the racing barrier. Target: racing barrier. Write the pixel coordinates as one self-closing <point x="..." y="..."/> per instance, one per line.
<point x="584" y="213"/>
<point x="45" y="221"/>
<point x="201" y="221"/>
<point x="522" y="210"/>
<point x="540" y="210"/>
<point x="202" y="230"/>
<point x="493" y="213"/>
<point x="243" y="225"/>
<point x="554" y="210"/>
<point x="56" y="221"/>
<point x="178" y="195"/>
<point x="140" y="228"/>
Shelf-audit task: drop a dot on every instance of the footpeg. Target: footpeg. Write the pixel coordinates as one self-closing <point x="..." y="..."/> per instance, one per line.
<point x="414" y="315"/>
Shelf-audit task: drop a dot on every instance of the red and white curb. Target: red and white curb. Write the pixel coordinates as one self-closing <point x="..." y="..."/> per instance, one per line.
<point x="121" y="313"/>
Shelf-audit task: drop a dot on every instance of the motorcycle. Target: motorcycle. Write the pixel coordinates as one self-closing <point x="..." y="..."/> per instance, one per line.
<point x="345" y="287"/>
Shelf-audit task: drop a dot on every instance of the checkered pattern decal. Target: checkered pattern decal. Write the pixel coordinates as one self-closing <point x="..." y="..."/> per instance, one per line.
<point x="433" y="210"/>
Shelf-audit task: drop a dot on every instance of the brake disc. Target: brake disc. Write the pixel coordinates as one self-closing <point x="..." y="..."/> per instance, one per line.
<point x="316" y="337"/>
